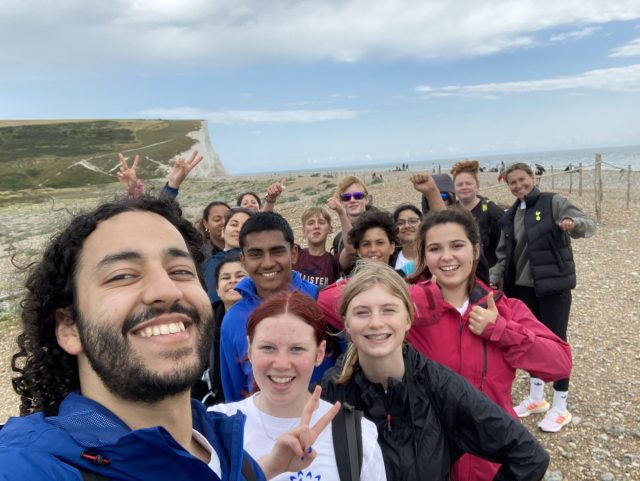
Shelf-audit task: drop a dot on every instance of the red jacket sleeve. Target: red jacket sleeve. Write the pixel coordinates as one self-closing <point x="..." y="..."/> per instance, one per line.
<point x="427" y="303"/>
<point x="528" y="344"/>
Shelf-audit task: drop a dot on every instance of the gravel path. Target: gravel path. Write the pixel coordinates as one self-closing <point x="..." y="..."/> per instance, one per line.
<point x="602" y="443"/>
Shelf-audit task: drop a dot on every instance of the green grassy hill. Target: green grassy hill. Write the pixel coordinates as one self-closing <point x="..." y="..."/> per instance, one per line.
<point x="78" y="153"/>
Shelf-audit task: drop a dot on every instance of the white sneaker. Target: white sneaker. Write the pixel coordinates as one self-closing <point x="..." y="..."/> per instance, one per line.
<point x="528" y="406"/>
<point x="555" y="420"/>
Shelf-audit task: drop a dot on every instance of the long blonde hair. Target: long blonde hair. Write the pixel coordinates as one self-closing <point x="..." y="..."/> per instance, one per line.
<point x="367" y="274"/>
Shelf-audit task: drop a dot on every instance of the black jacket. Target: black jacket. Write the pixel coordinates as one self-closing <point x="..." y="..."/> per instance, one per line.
<point x="450" y="417"/>
<point x="550" y="257"/>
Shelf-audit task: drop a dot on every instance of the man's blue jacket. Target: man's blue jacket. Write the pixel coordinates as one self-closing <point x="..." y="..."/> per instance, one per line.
<point x="36" y="447"/>
<point x="235" y="368"/>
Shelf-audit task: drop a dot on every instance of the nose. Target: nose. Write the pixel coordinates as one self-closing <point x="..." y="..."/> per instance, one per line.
<point x="160" y="288"/>
<point x="375" y="321"/>
<point x="281" y="361"/>
<point x="268" y="261"/>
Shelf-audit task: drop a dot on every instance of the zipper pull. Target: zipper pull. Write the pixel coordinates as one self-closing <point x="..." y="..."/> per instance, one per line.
<point x="388" y="422"/>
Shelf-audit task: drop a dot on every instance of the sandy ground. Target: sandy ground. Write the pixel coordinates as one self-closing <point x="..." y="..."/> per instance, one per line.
<point x="603" y="442"/>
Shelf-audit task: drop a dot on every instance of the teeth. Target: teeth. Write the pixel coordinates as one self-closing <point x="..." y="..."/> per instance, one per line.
<point x="281" y="380"/>
<point x="377" y="337"/>
<point x="269" y="274"/>
<point x="162" y="329"/>
<point x="449" y="268"/>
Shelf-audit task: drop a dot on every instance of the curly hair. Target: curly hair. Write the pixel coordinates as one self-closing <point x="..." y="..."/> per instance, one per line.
<point x="469" y="166"/>
<point x="47" y="373"/>
<point x="370" y="220"/>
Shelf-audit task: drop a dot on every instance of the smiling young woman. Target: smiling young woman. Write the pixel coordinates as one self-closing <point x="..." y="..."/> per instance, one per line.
<point x="426" y="415"/>
<point x="286" y="341"/>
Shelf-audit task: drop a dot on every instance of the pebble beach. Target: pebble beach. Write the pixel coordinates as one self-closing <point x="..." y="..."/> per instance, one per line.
<point x="602" y="442"/>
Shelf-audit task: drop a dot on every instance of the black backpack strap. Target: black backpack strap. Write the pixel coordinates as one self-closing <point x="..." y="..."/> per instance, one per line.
<point x="247" y="470"/>
<point x="346" y="429"/>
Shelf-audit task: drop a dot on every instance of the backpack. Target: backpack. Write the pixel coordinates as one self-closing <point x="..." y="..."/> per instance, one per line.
<point x="346" y="430"/>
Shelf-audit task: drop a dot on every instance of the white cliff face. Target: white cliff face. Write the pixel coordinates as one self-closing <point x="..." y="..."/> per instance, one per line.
<point x="211" y="164"/>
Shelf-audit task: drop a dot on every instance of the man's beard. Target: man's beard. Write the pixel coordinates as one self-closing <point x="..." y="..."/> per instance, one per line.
<point x="125" y="375"/>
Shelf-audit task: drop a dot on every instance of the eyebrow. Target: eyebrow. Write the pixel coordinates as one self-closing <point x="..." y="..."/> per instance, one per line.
<point x="136" y="256"/>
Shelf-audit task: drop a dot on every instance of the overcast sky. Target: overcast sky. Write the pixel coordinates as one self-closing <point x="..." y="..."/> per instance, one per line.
<point x="288" y="84"/>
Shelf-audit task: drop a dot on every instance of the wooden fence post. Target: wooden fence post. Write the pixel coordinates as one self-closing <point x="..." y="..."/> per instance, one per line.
<point x="628" y="185"/>
<point x="580" y="180"/>
<point x="570" y="178"/>
<point x="553" y="180"/>
<point x="597" y="183"/>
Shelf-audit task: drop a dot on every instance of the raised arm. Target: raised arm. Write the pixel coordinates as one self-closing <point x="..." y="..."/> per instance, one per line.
<point x="273" y="192"/>
<point x="179" y="172"/>
<point x="525" y="342"/>
<point x="425" y="184"/>
<point x="128" y="177"/>
<point x="293" y="451"/>
<point x="348" y="254"/>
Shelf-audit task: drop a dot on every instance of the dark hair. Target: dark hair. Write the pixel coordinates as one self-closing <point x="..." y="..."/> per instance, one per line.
<point x="371" y="219"/>
<point x="265" y="221"/>
<point x="453" y="215"/>
<point x="518" y="166"/>
<point x="291" y="302"/>
<point x="210" y="205"/>
<point x="236" y="210"/>
<point x="402" y="207"/>
<point x="226" y="259"/>
<point x="253" y="194"/>
<point x="47" y="373"/>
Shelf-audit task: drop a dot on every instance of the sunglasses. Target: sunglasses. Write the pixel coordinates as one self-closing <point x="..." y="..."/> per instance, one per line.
<point x="444" y="196"/>
<point x="346" y="197"/>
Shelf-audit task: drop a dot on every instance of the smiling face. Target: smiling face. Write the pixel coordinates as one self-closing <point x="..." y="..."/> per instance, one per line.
<point x="142" y="318"/>
<point x="407" y="226"/>
<point x="466" y="187"/>
<point x="228" y="277"/>
<point x="450" y="256"/>
<point x="377" y="323"/>
<point x="520" y="183"/>
<point x="355" y="207"/>
<point x="316" y="229"/>
<point x="283" y="354"/>
<point x="215" y="223"/>
<point x="231" y="231"/>
<point x="249" y="201"/>
<point x="375" y="245"/>
<point x="268" y="259"/>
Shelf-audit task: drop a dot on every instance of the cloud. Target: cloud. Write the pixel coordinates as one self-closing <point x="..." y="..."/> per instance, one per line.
<point x="239" y="117"/>
<point x="631" y="49"/>
<point x="574" y="35"/>
<point x="614" y="79"/>
<point x="206" y="34"/>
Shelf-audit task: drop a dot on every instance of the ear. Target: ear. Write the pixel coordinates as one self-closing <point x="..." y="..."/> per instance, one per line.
<point x="320" y="352"/>
<point x="476" y="252"/>
<point x="294" y="253"/>
<point x="67" y="332"/>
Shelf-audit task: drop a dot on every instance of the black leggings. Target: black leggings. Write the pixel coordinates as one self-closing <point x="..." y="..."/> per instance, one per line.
<point x="552" y="311"/>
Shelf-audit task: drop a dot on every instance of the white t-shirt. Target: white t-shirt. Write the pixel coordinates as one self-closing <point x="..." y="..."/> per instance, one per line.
<point x="214" y="462"/>
<point x="401" y="260"/>
<point x="261" y="431"/>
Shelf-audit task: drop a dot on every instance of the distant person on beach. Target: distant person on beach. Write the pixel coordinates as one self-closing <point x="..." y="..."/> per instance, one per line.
<point x="486" y="213"/>
<point x="116" y="330"/>
<point x="268" y="252"/>
<point x="427" y="415"/>
<point x="535" y="264"/>
<point x="501" y="172"/>
<point x="314" y="263"/>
